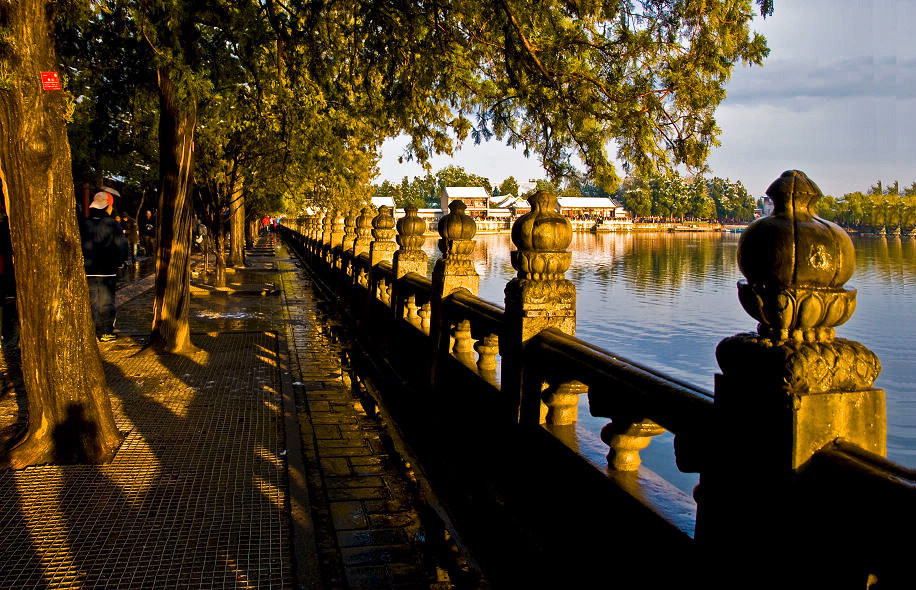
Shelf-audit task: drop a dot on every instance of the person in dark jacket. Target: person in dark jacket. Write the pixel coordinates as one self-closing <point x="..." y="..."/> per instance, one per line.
<point x="104" y="251"/>
<point x="147" y="230"/>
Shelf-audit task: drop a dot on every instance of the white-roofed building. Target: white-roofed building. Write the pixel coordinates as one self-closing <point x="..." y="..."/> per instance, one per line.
<point x="591" y="208"/>
<point x="379" y="201"/>
<point x="475" y="198"/>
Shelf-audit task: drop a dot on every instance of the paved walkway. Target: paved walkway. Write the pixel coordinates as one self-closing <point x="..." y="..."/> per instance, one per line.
<point x="247" y="465"/>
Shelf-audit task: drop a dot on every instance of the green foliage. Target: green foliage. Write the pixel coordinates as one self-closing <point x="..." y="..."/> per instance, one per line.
<point x="672" y="197"/>
<point x="114" y="128"/>
<point x="881" y="207"/>
<point x="557" y="79"/>
<point x="509" y="187"/>
<point x="328" y="81"/>
<point x="458" y="176"/>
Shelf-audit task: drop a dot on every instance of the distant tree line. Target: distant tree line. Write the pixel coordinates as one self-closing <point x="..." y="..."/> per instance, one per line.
<point x="674" y="197"/>
<point x="879" y="208"/>
<point x="664" y="197"/>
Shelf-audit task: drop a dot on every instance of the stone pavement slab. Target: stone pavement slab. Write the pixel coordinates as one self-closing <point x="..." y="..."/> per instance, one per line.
<point x="195" y="497"/>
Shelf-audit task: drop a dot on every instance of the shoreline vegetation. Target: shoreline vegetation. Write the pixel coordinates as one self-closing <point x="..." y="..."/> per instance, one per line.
<point x="589" y="226"/>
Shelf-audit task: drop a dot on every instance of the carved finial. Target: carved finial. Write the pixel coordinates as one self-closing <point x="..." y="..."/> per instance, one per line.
<point x="411" y="229"/>
<point x="457" y="230"/>
<point x="410" y="257"/>
<point x="350" y="229"/>
<point x="383" y="225"/>
<point x="542" y="237"/>
<point x="363" y="232"/>
<point x="337" y="228"/>
<point x="382" y="246"/>
<point x="327" y="225"/>
<point x="796" y="264"/>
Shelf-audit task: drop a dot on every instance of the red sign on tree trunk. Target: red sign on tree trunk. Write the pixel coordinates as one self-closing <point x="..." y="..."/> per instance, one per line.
<point x="50" y="81"/>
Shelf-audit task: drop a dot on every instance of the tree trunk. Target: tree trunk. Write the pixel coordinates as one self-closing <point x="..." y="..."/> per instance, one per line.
<point x="69" y="409"/>
<point x="220" y="251"/>
<point x="237" y="222"/>
<point x="177" y="120"/>
<point x="251" y="231"/>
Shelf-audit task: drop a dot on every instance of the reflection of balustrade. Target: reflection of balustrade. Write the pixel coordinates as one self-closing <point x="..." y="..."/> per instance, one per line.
<point x="791" y="438"/>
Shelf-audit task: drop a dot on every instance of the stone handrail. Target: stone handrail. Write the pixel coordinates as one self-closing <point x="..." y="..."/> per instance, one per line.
<point x="778" y="447"/>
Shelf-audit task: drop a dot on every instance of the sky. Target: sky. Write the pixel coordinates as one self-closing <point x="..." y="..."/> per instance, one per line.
<point x="836" y="98"/>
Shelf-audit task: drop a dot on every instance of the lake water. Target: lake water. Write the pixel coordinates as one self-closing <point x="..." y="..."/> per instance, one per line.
<point x="666" y="300"/>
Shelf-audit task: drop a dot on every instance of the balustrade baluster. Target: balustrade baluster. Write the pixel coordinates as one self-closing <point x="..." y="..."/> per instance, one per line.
<point x="426" y="315"/>
<point x="386" y="292"/>
<point x="463" y="344"/>
<point x="410" y="311"/>
<point x="626" y="439"/>
<point x="487" y="348"/>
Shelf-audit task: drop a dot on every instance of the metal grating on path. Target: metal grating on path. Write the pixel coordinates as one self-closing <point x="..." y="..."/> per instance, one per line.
<point x="196" y="496"/>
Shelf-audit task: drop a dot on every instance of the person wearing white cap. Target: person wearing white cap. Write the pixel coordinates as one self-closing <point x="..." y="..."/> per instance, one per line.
<point x="104" y="250"/>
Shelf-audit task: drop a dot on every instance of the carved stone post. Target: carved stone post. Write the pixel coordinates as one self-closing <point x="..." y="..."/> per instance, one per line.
<point x="349" y="236"/>
<point x="315" y="227"/>
<point x="363" y="239"/>
<point x="540" y="297"/>
<point x="410" y="257"/>
<point x="322" y="245"/>
<point x="454" y="270"/>
<point x="326" y="224"/>
<point x="382" y="247"/>
<point x="790" y="388"/>
<point x="337" y="229"/>
<point x="336" y="238"/>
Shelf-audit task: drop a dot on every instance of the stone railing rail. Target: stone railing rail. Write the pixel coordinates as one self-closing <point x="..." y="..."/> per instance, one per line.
<point x="793" y="483"/>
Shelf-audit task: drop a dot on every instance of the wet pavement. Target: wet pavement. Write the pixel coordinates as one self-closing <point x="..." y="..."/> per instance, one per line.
<point x="249" y="464"/>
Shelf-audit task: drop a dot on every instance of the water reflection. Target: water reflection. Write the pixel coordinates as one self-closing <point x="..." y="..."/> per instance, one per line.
<point x="667" y="299"/>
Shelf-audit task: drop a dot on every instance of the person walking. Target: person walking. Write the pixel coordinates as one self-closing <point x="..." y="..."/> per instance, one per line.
<point x="104" y="250"/>
<point x="147" y="229"/>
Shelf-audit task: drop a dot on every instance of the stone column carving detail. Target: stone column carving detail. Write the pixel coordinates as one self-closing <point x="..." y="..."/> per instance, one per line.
<point x="410" y="257"/>
<point x="382" y="230"/>
<point x="326" y="225"/>
<point x="349" y="236"/>
<point x="794" y="370"/>
<point x="455" y="269"/>
<point x="540" y="297"/>
<point x="337" y="228"/>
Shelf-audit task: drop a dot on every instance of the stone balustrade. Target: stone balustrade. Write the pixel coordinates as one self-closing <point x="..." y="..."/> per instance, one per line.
<point x="793" y="428"/>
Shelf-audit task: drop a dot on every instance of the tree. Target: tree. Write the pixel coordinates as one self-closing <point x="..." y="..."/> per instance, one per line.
<point x="509" y="187"/>
<point x="387" y="190"/>
<point x="458" y="176"/>
<point x="826" y="208"/>
<point x="69" y="410"/>
<point x="700" y="205"/>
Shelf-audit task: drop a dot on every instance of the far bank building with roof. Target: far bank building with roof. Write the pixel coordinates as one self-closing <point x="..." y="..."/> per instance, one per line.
<point x="475" y="198"/>
<point x="591" y="208"/>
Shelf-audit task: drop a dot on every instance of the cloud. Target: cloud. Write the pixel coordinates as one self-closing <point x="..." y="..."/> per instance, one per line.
<point x="801" y="85"/>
